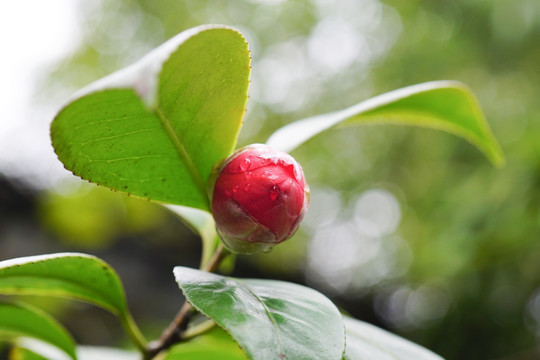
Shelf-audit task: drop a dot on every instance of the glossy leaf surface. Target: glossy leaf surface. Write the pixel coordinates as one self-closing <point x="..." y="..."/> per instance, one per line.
<point x="22" y="321"/>
<point x="70" y="275"/>
<point x="155" y="129"/>
<point x="368" y="342"/>
<point x="269" y="319"/>
<point x="444" y="105"/>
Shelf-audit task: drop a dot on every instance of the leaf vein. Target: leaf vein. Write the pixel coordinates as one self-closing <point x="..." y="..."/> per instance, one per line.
<point x="104" y="121"/>
<point x="270" y="316"/>
<point x="98" y="139"/>
<point x="184" y="155"/>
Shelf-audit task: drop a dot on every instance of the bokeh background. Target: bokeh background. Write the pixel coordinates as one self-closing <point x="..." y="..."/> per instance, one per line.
<point x="409" y="229"/>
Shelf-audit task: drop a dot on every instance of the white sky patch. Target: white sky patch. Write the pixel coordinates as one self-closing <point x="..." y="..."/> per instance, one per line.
<point x="33" y="34"/>
<point x="335" y="44"/>
<point x="350" y="36"/>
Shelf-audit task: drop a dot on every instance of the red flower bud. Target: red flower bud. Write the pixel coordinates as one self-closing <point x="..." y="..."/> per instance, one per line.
<point x="260" y="196"/>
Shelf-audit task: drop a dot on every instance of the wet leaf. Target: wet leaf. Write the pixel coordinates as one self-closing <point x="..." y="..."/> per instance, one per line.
<point x="269" y="319"/>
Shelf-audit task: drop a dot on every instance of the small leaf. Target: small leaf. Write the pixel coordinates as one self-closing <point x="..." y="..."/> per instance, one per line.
<point x="367" y="342"/>
<point x="17" y="320"/>
<point x="19" y="353"/>
<point x="443" y="105"/>
<point x="215" y="345"/>
<point x="37" y="350"/>
<point x="269" y="319"/>
<point x="202" y="223"/>
<point x="105" y="353"/>
<point x="155" y="129"/>
<point x="73" y="276"/>
<point x="69" y="275"/>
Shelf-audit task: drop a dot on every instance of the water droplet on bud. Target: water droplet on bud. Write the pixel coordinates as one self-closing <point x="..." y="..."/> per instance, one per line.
<point x="274" y="193"/>
<point x="244" y="165"/>
<point x="268" y="249"/>
<point x="259" y="198"/>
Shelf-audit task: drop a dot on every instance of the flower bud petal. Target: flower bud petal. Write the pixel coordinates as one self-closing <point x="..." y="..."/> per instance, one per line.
<point x="259" y="198"/>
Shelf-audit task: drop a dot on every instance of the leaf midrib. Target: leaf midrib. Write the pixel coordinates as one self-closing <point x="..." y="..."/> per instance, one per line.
<point x="268" y="313"/>
<point x="190" y="165"/>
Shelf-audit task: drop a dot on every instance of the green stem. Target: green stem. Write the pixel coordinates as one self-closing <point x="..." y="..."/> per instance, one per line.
<point x="198" y="329"/>
<point x="133" y="332"/>
<point x="177" y="329"/>
<point x="219" y="255"/>
<point x="208" y="250"/>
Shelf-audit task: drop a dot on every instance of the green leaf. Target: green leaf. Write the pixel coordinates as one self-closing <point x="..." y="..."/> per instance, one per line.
<point x="367" y="342"/>
<point x="269" y="319"/>
<point x="105" y="353"/>
<point x="443" y="105"/>
<point x="24" y="354"/>
<point x="17" y="320"/>
<point x="155" y="129"/>
<point x="30" y="350"/>
<point x="215" y="345"/>
<point x="202" y="223"/>
<point x="69" y="275"/>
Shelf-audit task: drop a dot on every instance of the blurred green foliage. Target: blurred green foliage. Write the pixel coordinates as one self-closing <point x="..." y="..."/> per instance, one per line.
<point x="92" y="217"/>
<point x="457" y="270"/>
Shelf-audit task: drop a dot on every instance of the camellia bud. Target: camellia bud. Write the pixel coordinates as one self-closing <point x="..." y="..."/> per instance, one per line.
<point x="259" y="198"/>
